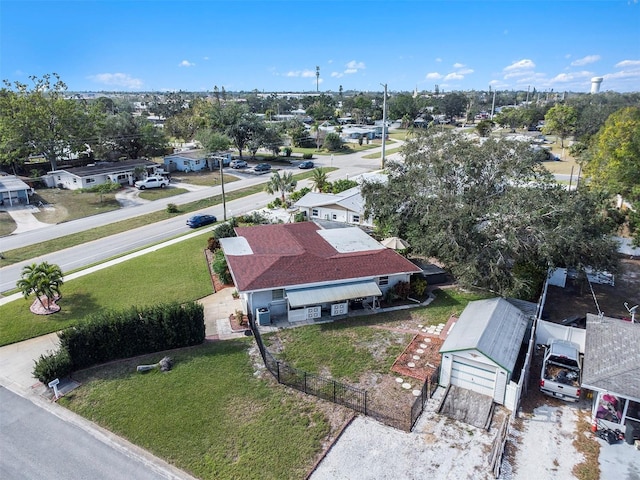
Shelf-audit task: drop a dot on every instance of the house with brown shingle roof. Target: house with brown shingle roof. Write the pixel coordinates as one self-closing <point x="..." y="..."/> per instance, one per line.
<point x="302" y="271"/>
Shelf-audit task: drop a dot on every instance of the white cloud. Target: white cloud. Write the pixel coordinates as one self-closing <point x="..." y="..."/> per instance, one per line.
<point x="458" y="65"/>
<point x="117" y="80"/>
<point x="570" y="77"/>
<point x="337" y="74"/>
<point x="205" y="58"/>
<point x="438" y="59"/>
<point x="465" y="71"/>
<point x="524" y="64"/>
<point x="301" y="73"/>
<point x="434" y="76"/>
<point x="585" y="60"/>
<point x="186" y="63"/>
<point x="628" y="63"/>
<point x="453" y="76"/>
<point x="353" y="65"/>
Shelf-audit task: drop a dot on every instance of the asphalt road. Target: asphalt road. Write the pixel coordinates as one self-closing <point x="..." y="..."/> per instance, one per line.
<point x="99" y="250"/>
<point x="36" y="444"/>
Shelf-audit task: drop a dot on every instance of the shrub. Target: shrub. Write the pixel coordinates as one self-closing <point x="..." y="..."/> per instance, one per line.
<point x="256" y="218"/>
<point x="307" y="156"/>
<point x="287" y="151"/>
<point x="298" y="194"/>
<point x="53" y="365"/>
<point x="419" y="286"/>
<point x="220" y="267"/>
<point x="300" y="217"/>
<point x="213" y="244"/>
<point x="402" y="290"/>
<point x="332" y="142"/>
<point x="226" y="229"/>
<point x="135" y="331"/>
<point x="172" y="208"/>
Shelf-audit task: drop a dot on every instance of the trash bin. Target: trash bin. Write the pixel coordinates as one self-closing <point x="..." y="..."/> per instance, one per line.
<point x="263" y="316"/>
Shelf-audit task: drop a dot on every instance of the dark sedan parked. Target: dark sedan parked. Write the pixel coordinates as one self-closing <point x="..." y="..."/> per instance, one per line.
<point x="262" y="167"/>
<point x="200" y="220"/>
<point x="306" y="164"/>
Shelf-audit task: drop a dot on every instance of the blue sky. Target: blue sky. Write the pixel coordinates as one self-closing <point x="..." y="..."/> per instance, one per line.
<point x="275" y="45"/>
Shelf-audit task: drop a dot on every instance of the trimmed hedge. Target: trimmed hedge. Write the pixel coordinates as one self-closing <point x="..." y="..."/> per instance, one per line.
<point x="120" y="334"/>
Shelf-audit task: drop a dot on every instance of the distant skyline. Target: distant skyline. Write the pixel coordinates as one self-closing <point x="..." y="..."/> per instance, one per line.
<point x="276" y="45"/>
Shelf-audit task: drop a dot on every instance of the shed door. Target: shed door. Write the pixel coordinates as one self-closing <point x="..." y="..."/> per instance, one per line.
<point x="473" y="375"/>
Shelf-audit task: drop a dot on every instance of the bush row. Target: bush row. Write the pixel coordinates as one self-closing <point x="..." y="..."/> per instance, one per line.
<point x="125" y="333"/>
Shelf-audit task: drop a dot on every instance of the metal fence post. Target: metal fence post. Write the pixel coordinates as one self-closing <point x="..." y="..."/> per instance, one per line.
<point x="278" y="371"/>
<point x="365" y="402"/>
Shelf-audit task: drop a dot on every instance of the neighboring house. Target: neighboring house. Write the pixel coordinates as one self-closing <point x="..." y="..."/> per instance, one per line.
<point x="194" y="161"/>
<point x="13" y="191"/>
<point x="125" y="172"/>
<point x="612" y="370"/>
<point x="482" y="348"/>
<point x="301" y="271"/>
<point x="355" y="132"/>
<point x="345" y="207"/>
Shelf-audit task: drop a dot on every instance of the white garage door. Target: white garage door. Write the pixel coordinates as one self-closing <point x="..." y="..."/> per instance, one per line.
<point x="472" y="375"/>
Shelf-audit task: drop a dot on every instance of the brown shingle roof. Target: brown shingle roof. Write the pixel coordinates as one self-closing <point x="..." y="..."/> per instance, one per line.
<point x="295" y="254"/>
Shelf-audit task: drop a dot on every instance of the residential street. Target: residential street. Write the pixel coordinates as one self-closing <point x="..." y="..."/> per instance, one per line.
<point x="38" y="444"/>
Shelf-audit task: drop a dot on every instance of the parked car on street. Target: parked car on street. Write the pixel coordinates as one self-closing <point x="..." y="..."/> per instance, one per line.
<point x="262" y="167"/>
<point x="306" y="164"/>
<point x="238" y="164"/>
<point x="152" y="182"/>
<point x="201" y="219"/>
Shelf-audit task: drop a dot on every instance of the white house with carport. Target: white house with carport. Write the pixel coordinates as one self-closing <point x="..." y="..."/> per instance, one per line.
<point x="300" y="271"/>
<point x="125" y="172"/>
<point x="611" y="369"/>
<point x="346" y="207"/>
<point x="481" y="350"/>
<point x="13" y="191"/>
<point x="195" y="161"/>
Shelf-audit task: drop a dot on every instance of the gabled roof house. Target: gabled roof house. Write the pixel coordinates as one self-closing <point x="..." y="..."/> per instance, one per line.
<point x="301" y="271"/>
<point x="481" y="350"/>
<point x="123" y="172"/>
<point x="345" y="207"/>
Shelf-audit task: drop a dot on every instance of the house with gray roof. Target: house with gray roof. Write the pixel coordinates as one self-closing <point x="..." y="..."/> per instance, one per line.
<point x="125" y="172"/>
<point x="13" y="191"/>
<point x="300" y="271"/>
<point x="345" y="207"/>
<point x="482" y="348"/>
<point x="611" y="369"/>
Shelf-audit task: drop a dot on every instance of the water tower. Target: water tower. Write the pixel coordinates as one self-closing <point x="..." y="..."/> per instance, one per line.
<point x="595" y="84"/>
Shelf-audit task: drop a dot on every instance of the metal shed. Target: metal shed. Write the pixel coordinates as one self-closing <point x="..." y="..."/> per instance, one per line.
<point x="481" y="350"/>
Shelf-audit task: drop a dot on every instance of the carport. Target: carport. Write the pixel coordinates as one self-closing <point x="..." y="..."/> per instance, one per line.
<point x="13" y="190"/>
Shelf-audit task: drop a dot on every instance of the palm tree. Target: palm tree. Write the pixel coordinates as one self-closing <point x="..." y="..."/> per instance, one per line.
<point x="43" y="279"/>
<point x="319" y="180"/>
<point x="284" y="183"/>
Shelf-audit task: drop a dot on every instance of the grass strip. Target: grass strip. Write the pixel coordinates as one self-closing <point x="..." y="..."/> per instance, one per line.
<point x="174" y="273"/>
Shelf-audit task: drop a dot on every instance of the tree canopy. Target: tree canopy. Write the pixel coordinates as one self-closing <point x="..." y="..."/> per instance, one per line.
<point x="489" y="211"/>
<point x="561" y="121"/>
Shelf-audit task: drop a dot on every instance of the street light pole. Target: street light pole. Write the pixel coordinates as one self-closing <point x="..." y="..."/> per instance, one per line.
<point x="224" y="199"/>
<point x="317" y="78"/>
<point x="384" y="124"/>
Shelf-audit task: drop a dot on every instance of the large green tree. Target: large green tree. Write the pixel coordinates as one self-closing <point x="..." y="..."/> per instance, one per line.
<point x="561" y="120"/>
<point x="41" y="119"/>
<point x="489" y="211"/>
<point x="613" y="159"/>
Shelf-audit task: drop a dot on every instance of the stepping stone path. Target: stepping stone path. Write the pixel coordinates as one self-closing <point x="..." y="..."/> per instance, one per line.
<point x="411" y="364"/>
<point x="406" y="386"/>
<point x="416" y="393"/>
<point x="399" y="380"/>
<point x="419" y="350"/>
<point x="416" y="357"/>
<point x="422" y="345"/>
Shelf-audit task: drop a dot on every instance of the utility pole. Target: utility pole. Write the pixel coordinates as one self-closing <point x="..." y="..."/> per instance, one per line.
<point x="384" y="124"/>
<point x="317" y="78"/>
<point x="224" y="199"/>
<point x="493" y="104"/>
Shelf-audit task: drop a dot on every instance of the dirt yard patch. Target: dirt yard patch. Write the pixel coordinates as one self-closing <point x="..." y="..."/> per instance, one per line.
<point x="576" y="298"/>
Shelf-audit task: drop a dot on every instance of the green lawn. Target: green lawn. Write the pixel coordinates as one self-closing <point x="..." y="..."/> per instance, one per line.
<point x="175" y="273"/>
<point x="386" y="152"/>
<point x="346" y="349"/>
<point x="72" y="204"/>
<point x="159" y="193"/>
<point x="210" y="415"/>
<point x="7" y="225"/>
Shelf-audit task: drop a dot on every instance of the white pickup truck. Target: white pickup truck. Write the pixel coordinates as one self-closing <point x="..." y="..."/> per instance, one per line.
<point x="561" y="373"/>
<point x="152" y="182"/>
